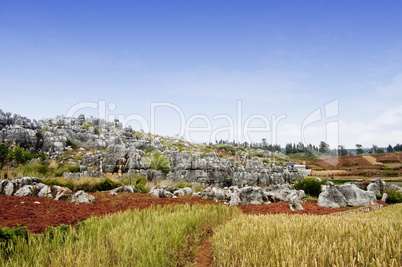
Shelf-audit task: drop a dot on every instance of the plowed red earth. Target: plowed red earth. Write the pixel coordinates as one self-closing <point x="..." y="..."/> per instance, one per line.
<point x="36" y="217"/>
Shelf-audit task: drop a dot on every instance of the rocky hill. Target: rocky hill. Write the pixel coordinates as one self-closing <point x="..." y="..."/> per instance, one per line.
<point x="100" y="147"/>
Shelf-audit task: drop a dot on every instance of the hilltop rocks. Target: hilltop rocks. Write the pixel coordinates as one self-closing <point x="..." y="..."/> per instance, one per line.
<point x="114" y="149"/>
<point x="344" y="195"/>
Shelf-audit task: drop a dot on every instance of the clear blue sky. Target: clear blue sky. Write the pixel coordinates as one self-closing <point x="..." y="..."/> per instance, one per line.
<point x="276" y="57"/>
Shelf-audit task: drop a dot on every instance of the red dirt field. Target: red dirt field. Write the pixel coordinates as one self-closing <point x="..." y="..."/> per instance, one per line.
<point x="36" y="217"/>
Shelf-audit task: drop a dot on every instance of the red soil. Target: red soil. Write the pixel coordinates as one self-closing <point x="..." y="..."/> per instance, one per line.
<point x="204" y="256"/>
<point x="25" y="212"/>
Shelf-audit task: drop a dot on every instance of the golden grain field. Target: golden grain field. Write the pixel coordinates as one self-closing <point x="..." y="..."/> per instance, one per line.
<point x="365" y="239"/>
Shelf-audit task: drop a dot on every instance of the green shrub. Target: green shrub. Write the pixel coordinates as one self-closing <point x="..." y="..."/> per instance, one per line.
<point x="161" y="163"/>
<point x="137" y="180"/>
<point x="33" y="169"/>
<point x="311" y="186"/>
<point x="106" y="184"/>
<point x="182" y="184"/>
<point x="86" y="184"/>
<point x="87" y="125"/>
<point x="19" y="155"/>
<point x="66" y="168"/>
<point x="394" y="196"/>
<point x="71" y="143"/>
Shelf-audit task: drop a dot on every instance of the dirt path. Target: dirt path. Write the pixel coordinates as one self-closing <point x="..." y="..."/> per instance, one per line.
<point x="204" y="256"/>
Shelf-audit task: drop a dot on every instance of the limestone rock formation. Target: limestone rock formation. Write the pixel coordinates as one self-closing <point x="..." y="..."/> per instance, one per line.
<point x="345" y="195"/>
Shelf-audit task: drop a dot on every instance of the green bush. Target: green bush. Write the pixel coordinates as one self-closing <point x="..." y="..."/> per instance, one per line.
<point x="137" y="180"/>
<point x="71" y="143"/>
<point x="19" y="155"/>
<point x="66" y="168"/>
<point x="161" y="163"/>
<point x="106" y="184"/>
<point x="182" y="184"/>
<point x="394" y="196"/>
<point x="33" y="169"/>
<point x="311" y="186"/>
<point x="87" y="125"/>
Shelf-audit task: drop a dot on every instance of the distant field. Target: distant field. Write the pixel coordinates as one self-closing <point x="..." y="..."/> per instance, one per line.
<point x="372" y="160"/>
<point x="386" y="166"/>
<point x="329" y="172"/>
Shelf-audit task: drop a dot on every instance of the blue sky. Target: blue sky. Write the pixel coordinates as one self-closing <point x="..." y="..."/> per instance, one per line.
<point x="205" y="57"/>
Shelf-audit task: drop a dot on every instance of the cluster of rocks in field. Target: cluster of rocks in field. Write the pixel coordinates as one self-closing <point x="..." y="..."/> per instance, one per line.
<point x="32" y="186"/>
<point x="349" y="194"/>
<point x="107" y="147"/>
<point x="170" y="191"/>
<point x="235" y="196"/>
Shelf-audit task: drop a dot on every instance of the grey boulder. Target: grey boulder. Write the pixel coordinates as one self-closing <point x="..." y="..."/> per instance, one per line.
<point x="25" y="191"/>
<point x="330" y="197"/>
<point x="82" y="197"/>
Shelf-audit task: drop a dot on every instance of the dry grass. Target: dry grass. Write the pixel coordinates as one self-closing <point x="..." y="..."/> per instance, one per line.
<point x="365" y="239"/>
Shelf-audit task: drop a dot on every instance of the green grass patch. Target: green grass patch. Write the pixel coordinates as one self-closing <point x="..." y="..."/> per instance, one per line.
<point x="137" y="180"/>
<point x="66" y="168"/>
<point x="86" y="184"/>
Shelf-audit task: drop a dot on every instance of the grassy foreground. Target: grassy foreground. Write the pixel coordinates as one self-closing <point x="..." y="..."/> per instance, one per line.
<point x="163" y="236"/>
<point x="365" y="239"/>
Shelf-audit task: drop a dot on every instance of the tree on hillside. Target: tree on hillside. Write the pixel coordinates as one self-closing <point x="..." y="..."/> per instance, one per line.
<point x="342" y="151"/>
<point x="373" y="150"/>
<point x="324" y="147"/>
<point x="359" y="149"/>
<point x="390" y="149"/>
<point x="300" y="147"/>
<point x="288" y="149"/>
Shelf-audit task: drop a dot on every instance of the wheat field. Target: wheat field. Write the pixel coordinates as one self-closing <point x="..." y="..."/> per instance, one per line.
<point x="364" y="239"/>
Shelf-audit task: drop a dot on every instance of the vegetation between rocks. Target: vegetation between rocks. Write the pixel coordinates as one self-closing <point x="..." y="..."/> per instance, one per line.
<point x="310" y="185"/>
